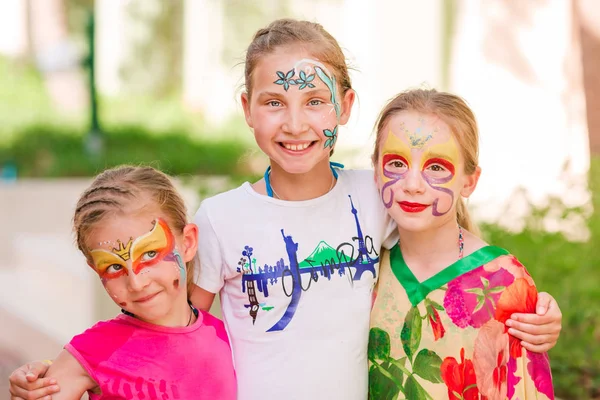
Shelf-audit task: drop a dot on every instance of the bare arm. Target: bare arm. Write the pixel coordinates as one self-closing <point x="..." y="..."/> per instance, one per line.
<point x="74" y="381"/>
<point x="202" y="299"/>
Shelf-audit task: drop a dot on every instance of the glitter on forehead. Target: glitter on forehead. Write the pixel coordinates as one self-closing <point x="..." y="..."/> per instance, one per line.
<point x="418" y="139"/>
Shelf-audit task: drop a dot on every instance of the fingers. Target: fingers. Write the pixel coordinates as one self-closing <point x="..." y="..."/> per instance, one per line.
<point x="532" y="319"/>
<point x="34" y="390"/>
<point x="537" y="348"/>
<point x="26" y="384"/>
<point x="543" y="303"/>
<point x="534" y="339"/>
<point x="38" y="394"/>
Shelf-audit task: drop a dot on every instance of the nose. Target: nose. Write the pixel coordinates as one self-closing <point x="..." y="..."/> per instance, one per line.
<point x="414" y="182"/>
<point x="137" y="282"/>
<point x="295" y="122"/>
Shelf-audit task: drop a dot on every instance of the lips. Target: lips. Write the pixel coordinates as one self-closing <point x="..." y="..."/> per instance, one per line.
<point x="412" y="207"/>
<point x="296" y="148"/>
<point x="146" y="298"/>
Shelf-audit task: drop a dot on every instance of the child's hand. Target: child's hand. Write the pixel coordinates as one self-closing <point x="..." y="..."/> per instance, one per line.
<point x="27" y="382"/>
<point x="538" y="332"/>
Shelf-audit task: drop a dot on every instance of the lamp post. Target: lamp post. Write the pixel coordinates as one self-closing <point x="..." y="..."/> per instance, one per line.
<point x="94" y="141"/>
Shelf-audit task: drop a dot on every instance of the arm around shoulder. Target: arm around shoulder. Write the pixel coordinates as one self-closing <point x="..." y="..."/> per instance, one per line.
<point x="209" y="264"/>
<point x="538" y="326"/>
<point x="202" y="299"/>
<point x="70" y="375"/>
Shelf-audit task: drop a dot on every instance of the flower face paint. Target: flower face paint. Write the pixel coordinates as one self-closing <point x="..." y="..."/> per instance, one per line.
<point x="294" y="108"/>
<point x="143" y="273"/>
<point x="420" y="167"/>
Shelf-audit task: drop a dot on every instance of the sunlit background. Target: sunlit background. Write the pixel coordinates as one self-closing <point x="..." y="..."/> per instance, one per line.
<point x="87" y="84"/>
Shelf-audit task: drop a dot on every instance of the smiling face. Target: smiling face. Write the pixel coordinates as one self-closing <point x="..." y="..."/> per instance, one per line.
<point x="420" y="171"/>
<point x="142" y="264"/>
<point x="295" y="109"/>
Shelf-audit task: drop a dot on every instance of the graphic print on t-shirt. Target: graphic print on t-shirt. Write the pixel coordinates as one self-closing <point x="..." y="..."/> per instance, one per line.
<point x="350" y="259"/>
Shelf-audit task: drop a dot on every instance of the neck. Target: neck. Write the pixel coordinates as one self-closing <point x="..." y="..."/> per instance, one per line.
<point x="431" y="246"/>
<point x="296" y="187"/>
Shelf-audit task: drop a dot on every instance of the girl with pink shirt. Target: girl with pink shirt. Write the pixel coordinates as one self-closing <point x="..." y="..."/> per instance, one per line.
<point x="131" y="226"/>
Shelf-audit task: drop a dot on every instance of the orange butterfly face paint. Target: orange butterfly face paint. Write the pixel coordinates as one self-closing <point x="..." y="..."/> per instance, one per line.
<point x="136" y="255"/>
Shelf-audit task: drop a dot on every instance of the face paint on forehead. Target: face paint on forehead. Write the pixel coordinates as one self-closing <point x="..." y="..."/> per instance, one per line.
<point x="305" y="78"/>
<point x="419" y="137"/>
<point x="143" y="252"/>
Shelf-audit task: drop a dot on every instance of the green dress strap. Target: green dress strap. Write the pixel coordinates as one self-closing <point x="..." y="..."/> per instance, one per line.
<point x="417" y="291"/>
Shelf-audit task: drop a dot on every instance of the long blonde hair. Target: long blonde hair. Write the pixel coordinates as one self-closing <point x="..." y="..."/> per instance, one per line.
<point x="114" y="189"/>
<point x="455" y="112"/>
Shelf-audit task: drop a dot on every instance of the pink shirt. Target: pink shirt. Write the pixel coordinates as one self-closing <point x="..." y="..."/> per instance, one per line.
<point x="132" y="359"/>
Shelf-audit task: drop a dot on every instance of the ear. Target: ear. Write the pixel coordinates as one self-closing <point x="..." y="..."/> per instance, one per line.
<point x="246" y="106"/>
<point x="190" y="242"/>
<point x="470" y="183"/>
<point x="347" y="103"/>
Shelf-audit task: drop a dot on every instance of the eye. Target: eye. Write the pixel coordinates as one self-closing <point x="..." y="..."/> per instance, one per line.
<point x="274" y="103"/>
<point x="396" y="164"/>
<point x="436" y="168"/>
<point x="149" y="255"/>
<point x="439" y="168"/>
<point x="114" y="268"/>
<point x="315" y="102"/>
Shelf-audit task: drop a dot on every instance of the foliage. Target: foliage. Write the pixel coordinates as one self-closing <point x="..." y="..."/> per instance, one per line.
<point x="53" y="151"/>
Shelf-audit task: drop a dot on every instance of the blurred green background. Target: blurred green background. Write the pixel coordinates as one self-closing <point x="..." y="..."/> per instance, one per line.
<point x="149" y="124"/>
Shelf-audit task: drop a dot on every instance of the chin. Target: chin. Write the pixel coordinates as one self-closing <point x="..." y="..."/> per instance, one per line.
<point x="413" y="223"/>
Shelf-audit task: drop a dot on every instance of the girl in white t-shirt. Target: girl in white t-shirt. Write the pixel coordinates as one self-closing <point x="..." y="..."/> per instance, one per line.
<point x="295" y="256"/>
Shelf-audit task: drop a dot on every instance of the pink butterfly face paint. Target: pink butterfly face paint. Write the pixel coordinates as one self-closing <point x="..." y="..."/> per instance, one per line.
<point x="418" y="163"/>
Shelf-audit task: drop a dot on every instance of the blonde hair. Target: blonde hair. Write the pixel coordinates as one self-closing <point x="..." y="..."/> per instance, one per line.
<point x="285" y="32"/>
<point x="116" y="188"/>
<point x="455" y="112"/>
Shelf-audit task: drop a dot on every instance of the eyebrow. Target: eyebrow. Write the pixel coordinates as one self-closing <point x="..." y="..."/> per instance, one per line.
<point x="430" y="154"/>
<point x="306" y="93"/>
<point x="270" y="94"/>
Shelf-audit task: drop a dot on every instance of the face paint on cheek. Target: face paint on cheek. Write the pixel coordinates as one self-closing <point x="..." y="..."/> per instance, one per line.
<point x="393" y="177"/>
<point x="449" y="151"/>
<point x="175" y="256"/>
<point x="393" y="149"/>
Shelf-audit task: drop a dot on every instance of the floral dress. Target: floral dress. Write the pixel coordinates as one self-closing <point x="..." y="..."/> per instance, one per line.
<point x="445" y="338"/>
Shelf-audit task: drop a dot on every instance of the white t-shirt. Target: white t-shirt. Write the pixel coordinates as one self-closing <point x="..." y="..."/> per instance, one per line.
<point x="296" y="280"/>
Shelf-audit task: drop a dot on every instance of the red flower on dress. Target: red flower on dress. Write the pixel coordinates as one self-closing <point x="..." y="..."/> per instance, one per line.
<point x="460" y="378"/>
<point x="519" y="297"/>
<point x="434" y="320"/>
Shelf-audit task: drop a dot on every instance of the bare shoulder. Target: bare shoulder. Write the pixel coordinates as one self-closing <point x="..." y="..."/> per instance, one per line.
<point x="70" y="375"/>
<point x="472" y="242"/>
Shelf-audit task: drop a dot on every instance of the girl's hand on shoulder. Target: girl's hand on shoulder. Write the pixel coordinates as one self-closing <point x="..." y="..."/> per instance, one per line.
<point x="28" y="382"/>
<point x="538" y="332"/>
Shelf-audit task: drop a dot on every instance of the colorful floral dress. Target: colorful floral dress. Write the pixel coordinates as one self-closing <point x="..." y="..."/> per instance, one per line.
<point x="445" y="338"/>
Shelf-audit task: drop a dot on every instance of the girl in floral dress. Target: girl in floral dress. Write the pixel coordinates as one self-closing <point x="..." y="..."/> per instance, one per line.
<point x="444" y="295"/>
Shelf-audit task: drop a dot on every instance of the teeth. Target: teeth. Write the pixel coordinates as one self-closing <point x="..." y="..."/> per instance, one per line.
<point x="296" y="147"/>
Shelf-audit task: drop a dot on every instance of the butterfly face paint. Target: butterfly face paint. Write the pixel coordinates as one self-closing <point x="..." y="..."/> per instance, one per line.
<point x="142" y="260"/>
<point x="418" y="165"/>
<point x="302" y="75"/>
